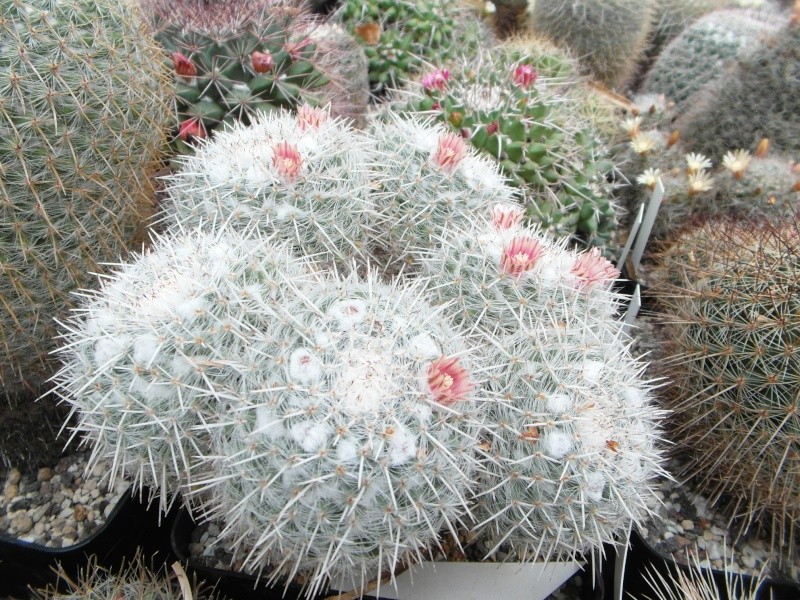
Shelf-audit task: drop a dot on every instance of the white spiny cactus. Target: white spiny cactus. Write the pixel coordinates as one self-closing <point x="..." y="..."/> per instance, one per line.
<point x="572" y="450"/>
<point x="173" y="340"/>
<point x="495" y="268"/>
<point x="303" y="177"/>
<point x="429" y="179"/>
<point x="570" y="447"/>
<point x="363" y="446"/>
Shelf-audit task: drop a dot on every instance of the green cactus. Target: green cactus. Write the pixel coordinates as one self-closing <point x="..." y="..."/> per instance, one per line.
<point x="727" y="294"/>
<point x="703" y="51"/>
<point x="531" y="127"/>
<point x="671" y="17"/>
<point x="757" y="98"/>
<point x="84" y="104"/>
<point x="608" y="36"/>
<point x="231" y="60"/>
<point x="399" y="36"/>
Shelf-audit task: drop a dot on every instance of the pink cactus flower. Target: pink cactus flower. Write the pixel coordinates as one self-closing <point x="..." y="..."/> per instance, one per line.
<point x="524" y="76"/>
<point x="448" y="381"/>
<point x="287" y="160"/>
<point x="591" y="268"/>
<point x="437" y="80"/>
<point x="450" y="151"/>
<point x="309" y="117"/>
<point x="505" y="217"/>
<point x="183" y="66"/>
<point x="294" y="48"/>
<point x="262" y="62"/>
<point x="520" y="255"/>
<point x="192" y="128"/>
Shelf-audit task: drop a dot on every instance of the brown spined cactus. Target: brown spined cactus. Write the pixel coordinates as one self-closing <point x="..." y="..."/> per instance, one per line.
<point x="84" y="100"/>
<point x="727" y="295"/>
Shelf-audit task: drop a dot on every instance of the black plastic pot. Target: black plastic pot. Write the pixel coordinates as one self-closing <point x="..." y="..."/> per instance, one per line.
<point x="130" y="525"/>
<point x="641" y="556"/>
<point x="247" y="587"/>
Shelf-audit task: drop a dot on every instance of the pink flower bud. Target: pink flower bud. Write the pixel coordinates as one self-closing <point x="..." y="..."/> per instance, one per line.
<point x="262" y="62"/>
<point x="310" y="118"/>
<point x="192" y="128"/>
<point x="492" y="127"/>
<point x="505" y="217"/>
<point x="520" y="255"/>
<point x="286" y="160"/>
<point x="183" y="66"/>
<point x="448" y="381"/>
<point x="591" y="268"/>
<point x="524" y="76"/>
<point x="437" y="80"/>
<point x="294" y="48"/>
<point x="449" y="152"/>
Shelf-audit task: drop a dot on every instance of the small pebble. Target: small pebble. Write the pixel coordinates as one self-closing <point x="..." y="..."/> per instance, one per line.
<point x="687" y="525"/>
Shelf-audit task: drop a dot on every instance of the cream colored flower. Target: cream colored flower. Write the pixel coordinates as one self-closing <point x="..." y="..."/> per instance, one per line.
<point x="631" y="126"/>
<point x="700" y="181"/>
<point x="649" y="178"/>
<point x="696" y="162"/>
<point x="737" y="162"/>
<point x="642" y="144"/>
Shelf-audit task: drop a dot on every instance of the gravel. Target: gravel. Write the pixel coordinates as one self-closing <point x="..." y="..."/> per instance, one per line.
<point x="60" y="505"/>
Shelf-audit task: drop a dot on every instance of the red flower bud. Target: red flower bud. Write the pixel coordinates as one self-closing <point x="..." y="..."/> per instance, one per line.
<point x="192" y="128"/>
<point x="492" y="127"/>
<point x="262" y="62"/>
<point x="183" y="66"/>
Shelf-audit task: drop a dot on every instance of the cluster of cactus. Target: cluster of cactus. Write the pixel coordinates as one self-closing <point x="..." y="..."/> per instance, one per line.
<point x="726" y="292"/>
<point x="531" y="126"/>
<point x="608" y="36"/>
<point x="337" y="425"/>
<point x="304" y="177"/>
<point x="744" y="184"/>
<point x="232" y="59"/>
<point x="756" y="98"/>
<point x="572" y="430"/>
<point x="704" y="50"/>
<point x="398" y="37"/>
<point x="85" y="101"/>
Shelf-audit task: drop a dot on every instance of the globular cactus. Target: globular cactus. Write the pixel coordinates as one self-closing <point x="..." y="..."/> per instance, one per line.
<point x="571" y="443"/>
<point x="173" y="340"/>
<point x="85" y="103"/>
<point x="232" y="59"/>
<point x="398" y="36"/>
<point x="726" y="294"/>
<point x="362" y="447"/>
<point x="756" y="98"/>
<point x="303" y="177"/>
<point x="533" y="128"/>
<point x="427" y="179"/>
<point x="704" y="50"/>
<point x="671" y="17"/>
<point x="607" y="36"/>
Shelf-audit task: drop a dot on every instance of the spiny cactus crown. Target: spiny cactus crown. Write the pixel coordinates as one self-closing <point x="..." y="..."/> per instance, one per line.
<point x="427" y="178"/>
<point x="362" y="446"/>
<point x="304" y="177"/>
